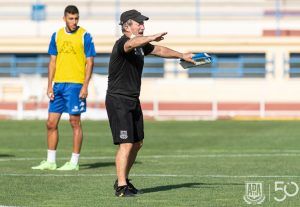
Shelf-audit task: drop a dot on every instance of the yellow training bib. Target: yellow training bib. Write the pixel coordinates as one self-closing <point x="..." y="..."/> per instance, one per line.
<point x="70" y="60"/>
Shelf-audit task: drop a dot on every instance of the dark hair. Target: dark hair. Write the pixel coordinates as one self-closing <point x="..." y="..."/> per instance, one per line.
<point x="71" y="9"/>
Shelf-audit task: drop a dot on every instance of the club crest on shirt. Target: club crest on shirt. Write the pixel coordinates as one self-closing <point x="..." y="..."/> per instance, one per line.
<point x="123" y="134"/>
<point x="139" y="51"/>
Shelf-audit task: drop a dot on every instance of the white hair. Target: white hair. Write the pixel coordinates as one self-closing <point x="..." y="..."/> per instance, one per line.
<point x="126" y="24"/>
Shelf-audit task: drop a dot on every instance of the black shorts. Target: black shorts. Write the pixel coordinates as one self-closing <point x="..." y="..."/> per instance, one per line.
<point x="125" y="119"/>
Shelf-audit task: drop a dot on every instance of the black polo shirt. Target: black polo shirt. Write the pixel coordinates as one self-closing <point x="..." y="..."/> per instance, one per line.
<point x="125" y="69"/>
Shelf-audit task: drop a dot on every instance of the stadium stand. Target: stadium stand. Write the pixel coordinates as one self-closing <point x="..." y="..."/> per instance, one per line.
<point x="254" y="45"/>
<point x="195" y="17"/>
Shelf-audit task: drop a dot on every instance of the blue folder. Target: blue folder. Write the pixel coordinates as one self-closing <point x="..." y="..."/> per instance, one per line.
<point x="199" y="58"/>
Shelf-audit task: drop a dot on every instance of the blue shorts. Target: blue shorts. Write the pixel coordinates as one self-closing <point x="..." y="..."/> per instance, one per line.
<point x="66" y="99"/>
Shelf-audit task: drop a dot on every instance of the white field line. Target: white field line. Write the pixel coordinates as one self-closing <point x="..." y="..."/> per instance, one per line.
<point x="8" y="206"/>
<point x="261" y="151"/>
<point x="167" y="156"/>
<point x="147" y="175"/>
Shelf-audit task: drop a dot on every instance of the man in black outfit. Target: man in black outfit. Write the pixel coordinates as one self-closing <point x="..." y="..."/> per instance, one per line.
<point x="124" y="84"/>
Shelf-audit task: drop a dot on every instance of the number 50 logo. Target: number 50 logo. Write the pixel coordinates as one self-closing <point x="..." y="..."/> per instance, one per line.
<point x="281" y="186"/>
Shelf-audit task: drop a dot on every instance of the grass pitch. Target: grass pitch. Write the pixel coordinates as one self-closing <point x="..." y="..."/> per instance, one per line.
<point x="181" y="164"/>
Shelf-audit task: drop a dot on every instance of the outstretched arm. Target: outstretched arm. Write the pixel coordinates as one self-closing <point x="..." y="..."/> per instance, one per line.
<point x="166" y="52"/>
<point x="143" y="40"/>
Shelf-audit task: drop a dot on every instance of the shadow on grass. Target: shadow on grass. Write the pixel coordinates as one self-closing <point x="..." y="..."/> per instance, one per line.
<point x="6" y="155"/>
<point x="187" y="185"/>
<point x="99" y="165"/>
<point x="96" y="165"/>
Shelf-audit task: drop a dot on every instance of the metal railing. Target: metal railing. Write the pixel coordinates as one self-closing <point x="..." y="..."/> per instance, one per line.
<point x="233" y="66"/>
<point x="15" y="65"/>
<point x="294" y="65"/>
<point x="223" y="66"/>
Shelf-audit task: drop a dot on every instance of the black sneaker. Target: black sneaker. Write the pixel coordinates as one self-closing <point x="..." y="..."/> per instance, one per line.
<point x="116" y="184"/>
<point x="123" y="191"/>
<point x="130" y="186"/>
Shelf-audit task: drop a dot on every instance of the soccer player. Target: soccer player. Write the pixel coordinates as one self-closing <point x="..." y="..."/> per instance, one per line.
<point x="124" y="84"/>
<point x="71" y="64"/>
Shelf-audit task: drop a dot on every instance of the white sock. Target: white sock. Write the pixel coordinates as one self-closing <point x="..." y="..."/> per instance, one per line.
<point x="74" y="158"/>
<point x="51" y="156"/>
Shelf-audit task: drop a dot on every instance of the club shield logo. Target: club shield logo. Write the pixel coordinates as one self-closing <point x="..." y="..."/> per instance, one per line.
<point x="254" y="193"/>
